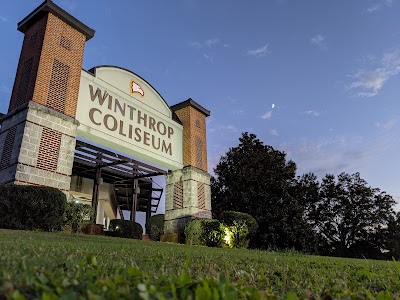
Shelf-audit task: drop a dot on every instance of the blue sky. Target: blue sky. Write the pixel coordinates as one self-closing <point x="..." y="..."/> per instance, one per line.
<point x="330" y="68"/>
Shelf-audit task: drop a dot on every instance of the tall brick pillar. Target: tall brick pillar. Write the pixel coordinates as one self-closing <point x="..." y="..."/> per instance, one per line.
<point x="37" y="136"/>
<point x="188" y="193"/>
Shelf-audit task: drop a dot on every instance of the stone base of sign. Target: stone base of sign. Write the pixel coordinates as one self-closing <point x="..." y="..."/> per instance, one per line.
<point x="188" y="196"/>
<point x="37" y="146"/>
<point x="171" y="238"/>
<point x="146" y="237"/>
<point x="94" y="229"/>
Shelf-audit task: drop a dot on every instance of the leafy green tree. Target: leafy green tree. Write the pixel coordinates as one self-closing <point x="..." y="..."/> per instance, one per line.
<point x="348" y="213"/>
<point x="389" y="237"/>
<point x="256" y="179"/>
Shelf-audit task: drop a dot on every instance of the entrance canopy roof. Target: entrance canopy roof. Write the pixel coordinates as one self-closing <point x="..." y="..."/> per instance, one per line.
<point x="115" y="168"/>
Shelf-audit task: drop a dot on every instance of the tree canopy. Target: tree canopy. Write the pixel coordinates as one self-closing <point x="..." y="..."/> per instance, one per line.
<point x="341" y="216"/>
<point x="347" y="213"/>
<point x="256" y="179"/>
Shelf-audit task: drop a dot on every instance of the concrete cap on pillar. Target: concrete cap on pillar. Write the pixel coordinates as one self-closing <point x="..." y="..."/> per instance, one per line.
<point x="192" y="103"/>
<point x="49" y="6"/>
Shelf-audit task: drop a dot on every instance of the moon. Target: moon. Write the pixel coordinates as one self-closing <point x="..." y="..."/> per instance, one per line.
<point x="273" y="105"/>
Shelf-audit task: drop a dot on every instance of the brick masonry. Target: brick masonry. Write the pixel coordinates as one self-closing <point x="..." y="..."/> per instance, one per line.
<point x="27" y="165"/>
<point x="38" y="134"/>
<point x="194" y="137"/>
<point x="50" y="64"/>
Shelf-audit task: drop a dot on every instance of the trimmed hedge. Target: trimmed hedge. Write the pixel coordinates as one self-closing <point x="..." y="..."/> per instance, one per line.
<point x="28" y="207"/>
<point x="155" y="227"/>
<point x="230" y="218"/>
<point x="240" y="227"/>
<point x="77" y="215"/>
<point x="206" y="232"/>
<point x="125" y="229"/>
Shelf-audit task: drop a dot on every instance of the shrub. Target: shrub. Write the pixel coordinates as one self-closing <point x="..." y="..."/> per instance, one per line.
<point x="31" y="207"/>
<point x="231" y="217"/>
<point x="206" y="232"/>
<point x="155" y="227"/>
<point x="76" y="215"/>
<point x="240" y="228"/>
<point x="126" y="229"/>
<point x="235" y="236"/>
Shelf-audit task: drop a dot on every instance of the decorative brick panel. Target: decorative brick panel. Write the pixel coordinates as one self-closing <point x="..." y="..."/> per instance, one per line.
<point x="201" y="197"/>
<point x="178" y="195"/>
<point x="8" y="148"/>
<point x="58" y="86"/>
<point x="64" y="44"/>
<point x="49" y="148"/>
<point x="49" y="40"/>
<point x="199" y="153"/>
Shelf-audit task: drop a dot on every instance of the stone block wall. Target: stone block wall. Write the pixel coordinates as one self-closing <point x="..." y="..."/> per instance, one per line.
<point x="190" y="188"/>
<point x="43" y="147"/>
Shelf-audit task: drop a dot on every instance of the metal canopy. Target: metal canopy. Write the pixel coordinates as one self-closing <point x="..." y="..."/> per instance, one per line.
<point x="133" y="186"/>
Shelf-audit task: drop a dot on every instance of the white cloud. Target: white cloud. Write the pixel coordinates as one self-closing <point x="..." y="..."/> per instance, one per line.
<point x="313" y="113"/>
<point x="211" y="42"/>
<point x="373" y="8"/>
<point x="387" y="125"/>
<point x="238" y="112"/>
<point x="319" y="41"/>
<point x="329" y="155"/>
<point x="195" y="44"/>
<point x="230" y="99"/>
<point x="229" y="128"/>
<point x="3" y="19"/>
<point x="377" y="6"/>
<point x="205" y="44"/>
<point x="274" y="132"/>
<point x="259" y="52"/>
<point x="368" y="83"/>
<point x="267" y="115"/>
<point x="208" y="56"/>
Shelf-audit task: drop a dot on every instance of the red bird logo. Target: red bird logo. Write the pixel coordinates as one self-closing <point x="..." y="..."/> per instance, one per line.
<point x="136" y="88"/>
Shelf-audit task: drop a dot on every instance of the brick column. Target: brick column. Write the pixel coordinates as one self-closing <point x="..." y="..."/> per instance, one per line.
<point x="37" y="136"/>
<point x="188" y="192"/>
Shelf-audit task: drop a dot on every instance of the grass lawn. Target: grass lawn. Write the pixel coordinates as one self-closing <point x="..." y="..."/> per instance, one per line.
<point x="67" y="266"/>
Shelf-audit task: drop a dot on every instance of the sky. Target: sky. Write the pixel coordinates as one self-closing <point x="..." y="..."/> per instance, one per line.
<point x="317" y="79"/>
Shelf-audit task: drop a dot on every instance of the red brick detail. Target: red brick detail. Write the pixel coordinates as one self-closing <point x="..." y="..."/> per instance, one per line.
<point x="58" y="86"/>
<point x="178" y="195"/>
<point x="66" y="45"/>
<point x="8" y="148"/>
<point x="22" y="92"/>
<point x="199" y="152"/>
<point x="49" y="149"/>
<point x="48" y="40"/>
<point x="194" y="137"/>
<point x="25" y="78"/>
<point x="201" y="197"/>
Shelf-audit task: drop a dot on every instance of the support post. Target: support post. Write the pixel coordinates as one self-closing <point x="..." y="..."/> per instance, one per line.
<point x="96" y="187"/>
<point x="134" y="200"/>
<point x="148" y="210"/>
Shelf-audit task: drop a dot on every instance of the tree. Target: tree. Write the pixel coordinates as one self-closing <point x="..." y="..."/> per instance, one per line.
<point x="348" y="213"/>
<point x="256" y="179"/>
<point x="389" y="237"/>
